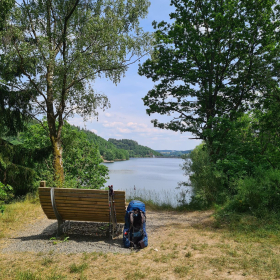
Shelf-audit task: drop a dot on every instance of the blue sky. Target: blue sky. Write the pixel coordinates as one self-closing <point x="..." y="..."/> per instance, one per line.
<point x="127" y="118"/>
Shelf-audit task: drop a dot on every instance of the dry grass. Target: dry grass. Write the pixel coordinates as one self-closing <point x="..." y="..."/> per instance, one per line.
<point x="195" y="250"/>
<point x="18" y="214"/>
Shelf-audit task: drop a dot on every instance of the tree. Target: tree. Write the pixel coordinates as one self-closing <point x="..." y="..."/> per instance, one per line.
<point x="5" y="8"/>
<point x="212" y="63"/>
<point x="59" y="46"/>
<point x="13" y="116"/>
<point x="81" y="158"/>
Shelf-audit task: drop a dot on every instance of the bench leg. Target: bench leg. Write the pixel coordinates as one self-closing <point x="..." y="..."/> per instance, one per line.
<point x="59" y="227"/>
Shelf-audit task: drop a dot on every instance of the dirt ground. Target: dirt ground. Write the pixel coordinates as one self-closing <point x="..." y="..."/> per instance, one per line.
<point x="181" y="245"/>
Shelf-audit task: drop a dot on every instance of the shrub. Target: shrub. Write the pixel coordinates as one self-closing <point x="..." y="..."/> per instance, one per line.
<point x="6" y="194"/>
<point x="259" y="195"/>
<point x="207" y="182"/>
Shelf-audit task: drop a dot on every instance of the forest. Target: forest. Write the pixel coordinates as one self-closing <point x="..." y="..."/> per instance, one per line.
<point x="134" y="149"/>
<point x="173" y="153"/>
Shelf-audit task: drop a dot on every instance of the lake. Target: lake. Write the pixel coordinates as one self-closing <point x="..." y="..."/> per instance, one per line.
<point x="149" y="178"/>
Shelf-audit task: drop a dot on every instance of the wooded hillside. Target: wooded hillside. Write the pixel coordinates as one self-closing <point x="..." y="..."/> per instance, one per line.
<point x="134" y="149"/>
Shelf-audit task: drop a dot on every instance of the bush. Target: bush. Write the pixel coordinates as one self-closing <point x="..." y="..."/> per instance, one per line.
<point x="207" y="182"/>
<point x="259" y="195"/>
<point x="6" y="194"/>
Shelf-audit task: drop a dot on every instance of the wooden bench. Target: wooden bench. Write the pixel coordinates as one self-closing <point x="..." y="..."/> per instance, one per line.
<point x="63" y="204"/>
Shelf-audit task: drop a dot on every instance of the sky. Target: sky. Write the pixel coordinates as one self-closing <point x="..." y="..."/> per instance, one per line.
<point x="127" y="118"/>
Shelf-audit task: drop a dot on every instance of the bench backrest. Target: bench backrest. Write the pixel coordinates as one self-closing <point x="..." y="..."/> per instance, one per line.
<point x="82" y="204"/>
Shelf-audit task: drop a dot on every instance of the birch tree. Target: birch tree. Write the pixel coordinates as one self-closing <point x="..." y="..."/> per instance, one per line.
<point x="61" y="46"/>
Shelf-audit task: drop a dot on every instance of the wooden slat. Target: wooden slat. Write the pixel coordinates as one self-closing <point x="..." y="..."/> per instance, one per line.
<point x="85" y="208"/>
<point x="57" y="194"/>
<point x="58" y="198"/>
<point x="85" y="213"/>
<point x="86" y="219"/>
<point x="67" y="190"/>
<point x="70" y="190"/>
<point x="105" y="198"/>
<point x="91" y="211"/>
<point x="73" y="196"/>
<point x="82" y="206"/>
<point x="77" y="203"/>
<point x="76" y="206"/>
<point x="79" y="214"/>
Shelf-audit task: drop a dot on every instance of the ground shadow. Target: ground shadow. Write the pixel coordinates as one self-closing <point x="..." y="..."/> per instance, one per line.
<point x="78" y="232"/>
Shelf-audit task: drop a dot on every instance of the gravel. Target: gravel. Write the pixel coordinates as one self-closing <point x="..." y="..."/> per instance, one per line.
<point x="85" y="236"/>
<point x="81" y="237"/>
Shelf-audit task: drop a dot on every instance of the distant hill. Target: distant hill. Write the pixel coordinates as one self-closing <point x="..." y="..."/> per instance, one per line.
<point x="173" y="153"/>
<point x="134" y="149"/>
<point x="107" y="150"/>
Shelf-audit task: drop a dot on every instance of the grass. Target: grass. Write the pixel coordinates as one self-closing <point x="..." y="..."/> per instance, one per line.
<point x="195" y="246"/>
<point x="74" y="268"/>
<point x="182" y="271"/>
<point x="18" y="213"/>
<point x="47" y="261"/>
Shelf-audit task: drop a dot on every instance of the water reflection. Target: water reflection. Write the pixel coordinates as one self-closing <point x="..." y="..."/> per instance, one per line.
<point x="149" y="178"/>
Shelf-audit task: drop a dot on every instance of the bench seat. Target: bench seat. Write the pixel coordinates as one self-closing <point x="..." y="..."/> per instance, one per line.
<point x="82" y="204"/>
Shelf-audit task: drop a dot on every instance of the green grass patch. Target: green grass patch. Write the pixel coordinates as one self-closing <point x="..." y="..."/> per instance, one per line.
<point x="27" y="275"/>
<point x="248" y="228"/>
<point x="74" y="268"/>
<point x="138" y="274"/>
<point x="181" y="271"/>
<point x="47" y="261"/>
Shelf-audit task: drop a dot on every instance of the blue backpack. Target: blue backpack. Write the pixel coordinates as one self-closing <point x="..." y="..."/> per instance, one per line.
<point x="134" y="233"/>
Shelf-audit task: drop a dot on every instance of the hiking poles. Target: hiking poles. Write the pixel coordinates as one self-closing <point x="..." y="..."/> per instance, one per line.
<point x="113" y="214"/>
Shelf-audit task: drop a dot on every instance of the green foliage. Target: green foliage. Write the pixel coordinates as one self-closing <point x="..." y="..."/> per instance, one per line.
<point x="134" y="149"/>
<point x="6" y="194"/>
<point x="172" y="153"/>
<point x="258" y="195"/>
<point x="5" y="9"/>
<point x="78" y="42"/>
<point x="107" y="150"/>
<point x="16" y="167"/>
<point x="207" y="182"/>
<point x="81" y="157"/>
<point x="210" y="62"/>
<point x="109" y="155"/>
<point x="244" y="172"/>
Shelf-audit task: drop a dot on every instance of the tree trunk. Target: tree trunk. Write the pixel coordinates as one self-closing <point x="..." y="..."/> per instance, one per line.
<point x="57" y="161"/>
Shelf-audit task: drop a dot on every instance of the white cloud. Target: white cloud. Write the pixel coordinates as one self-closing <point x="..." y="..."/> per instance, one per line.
<point x="94" y="131"/>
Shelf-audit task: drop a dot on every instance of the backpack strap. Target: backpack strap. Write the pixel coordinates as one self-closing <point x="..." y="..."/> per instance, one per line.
<point x="143" y="217"/>
<point x="131" y="219"/>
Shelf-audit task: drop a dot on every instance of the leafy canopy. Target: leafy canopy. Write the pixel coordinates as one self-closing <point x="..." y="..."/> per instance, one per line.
<point x="212" y="62"/>
<point x="58" y="47"/>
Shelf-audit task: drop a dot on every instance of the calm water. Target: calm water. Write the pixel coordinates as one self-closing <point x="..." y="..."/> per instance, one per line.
<point x="150" y="178"/>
